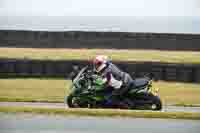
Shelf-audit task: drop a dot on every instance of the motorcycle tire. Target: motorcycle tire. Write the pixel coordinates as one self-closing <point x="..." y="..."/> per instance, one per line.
<point x="69" y="101"/>
<point x="156" y="103"/>
<point x="71" y="104"/>
<point x="147" y="101"/>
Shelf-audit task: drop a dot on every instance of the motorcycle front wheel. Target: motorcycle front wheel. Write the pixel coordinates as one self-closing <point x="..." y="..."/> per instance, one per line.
<point x="73" y="102"/>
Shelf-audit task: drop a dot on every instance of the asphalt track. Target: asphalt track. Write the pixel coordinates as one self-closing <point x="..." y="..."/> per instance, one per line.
<point x="62" y="105"/>
<point x="32" y="123"/>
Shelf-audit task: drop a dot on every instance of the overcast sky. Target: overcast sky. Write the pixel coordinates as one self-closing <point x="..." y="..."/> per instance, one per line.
<point x="188" y="10"/>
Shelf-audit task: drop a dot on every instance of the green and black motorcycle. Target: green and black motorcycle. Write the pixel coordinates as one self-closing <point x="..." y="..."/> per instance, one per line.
<point x="87" y="91"/>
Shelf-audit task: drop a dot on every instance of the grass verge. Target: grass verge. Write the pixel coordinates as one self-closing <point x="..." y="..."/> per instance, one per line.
<point x="186" y="105"/>
<point x="33" y="90"/>
<point x="115" y="54"/>
<point x="54" y="90"/>
<point x="20" y="99"/>
<point x="104" y="113"/>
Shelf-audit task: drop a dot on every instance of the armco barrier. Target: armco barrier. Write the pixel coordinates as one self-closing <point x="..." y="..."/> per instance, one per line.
<point x="116" y="40"/>
<point x="63" y="68"/>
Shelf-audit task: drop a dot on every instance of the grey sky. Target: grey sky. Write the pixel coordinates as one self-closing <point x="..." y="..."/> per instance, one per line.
<point x="101" y="7"/>
<point x="183" y="14"/>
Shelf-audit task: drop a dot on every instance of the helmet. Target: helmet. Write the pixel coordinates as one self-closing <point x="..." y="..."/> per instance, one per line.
<point x="100" y="62"/>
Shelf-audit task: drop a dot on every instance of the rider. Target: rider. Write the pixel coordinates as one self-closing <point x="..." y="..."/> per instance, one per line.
<point x="113" y="77"/>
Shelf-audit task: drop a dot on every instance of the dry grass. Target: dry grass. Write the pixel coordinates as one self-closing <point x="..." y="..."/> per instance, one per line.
<point x="33" y="89"/>
<point x="123" y="55"/>
<point x="179" y="93"/>
<point x="54" y="90"/>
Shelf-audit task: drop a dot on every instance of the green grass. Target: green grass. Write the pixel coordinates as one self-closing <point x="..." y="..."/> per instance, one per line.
<point x="54" y="90"/>
<point x="88" y="54"/>
<point x="103" y="113"/>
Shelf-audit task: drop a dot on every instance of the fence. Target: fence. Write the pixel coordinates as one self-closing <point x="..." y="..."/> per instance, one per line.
<point x="117" y="40"/>
<point x="63" y="68"/>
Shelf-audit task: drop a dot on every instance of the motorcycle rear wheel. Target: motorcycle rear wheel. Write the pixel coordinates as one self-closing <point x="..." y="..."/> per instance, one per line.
<point x="156" y="103"/>
<point x="147" y="102"/>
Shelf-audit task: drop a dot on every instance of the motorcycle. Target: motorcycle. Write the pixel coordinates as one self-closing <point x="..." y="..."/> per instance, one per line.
<point x="87" y="91"/>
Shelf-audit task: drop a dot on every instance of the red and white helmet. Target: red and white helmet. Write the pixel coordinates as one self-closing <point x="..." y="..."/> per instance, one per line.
<point x="100" y="62"/>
